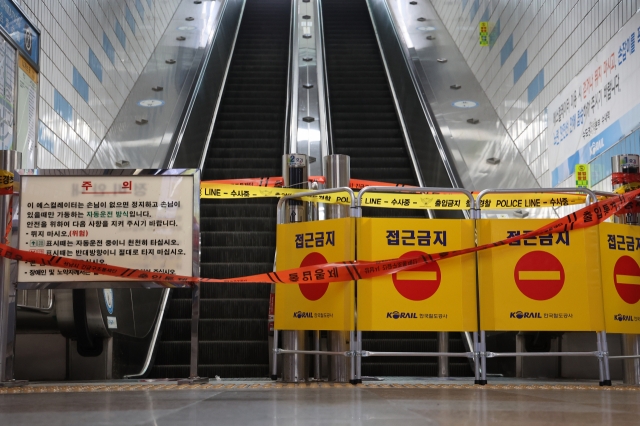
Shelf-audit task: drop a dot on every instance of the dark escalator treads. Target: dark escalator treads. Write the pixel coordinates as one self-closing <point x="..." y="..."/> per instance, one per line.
<point x="366" y="127"/>
<point x="238" y="237"/>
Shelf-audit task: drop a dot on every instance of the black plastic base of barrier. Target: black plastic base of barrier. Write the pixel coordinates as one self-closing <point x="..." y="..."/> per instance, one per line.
<point x="480" y="382"/>
<point x="605" y="383"/>
<point x="274" y="377"/>
<point x="355" y="382"/>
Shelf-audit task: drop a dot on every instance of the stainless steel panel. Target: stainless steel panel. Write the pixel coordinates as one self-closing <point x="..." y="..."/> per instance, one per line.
<point x="470" y="145"/>
<point x="148" y="145"/>
<point x="307" y="86"/>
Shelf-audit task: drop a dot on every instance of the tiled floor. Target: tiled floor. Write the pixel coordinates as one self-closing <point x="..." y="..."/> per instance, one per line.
<point x="404" y="403"/>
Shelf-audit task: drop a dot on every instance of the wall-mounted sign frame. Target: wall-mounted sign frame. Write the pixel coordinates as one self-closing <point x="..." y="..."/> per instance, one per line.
<point x="17" y="26"/>
<point x="143" y="219"/>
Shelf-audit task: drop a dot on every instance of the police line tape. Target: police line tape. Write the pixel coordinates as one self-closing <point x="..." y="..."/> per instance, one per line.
<point x="627" y="187"/>
<point x="278" y="182"/>
<point x="433" y="201"/>
<point x="337" y="271"/>
<point x="6" y="182"/>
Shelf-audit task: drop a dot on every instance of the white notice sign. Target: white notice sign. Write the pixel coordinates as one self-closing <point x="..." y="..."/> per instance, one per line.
<point x="142" y="222"/>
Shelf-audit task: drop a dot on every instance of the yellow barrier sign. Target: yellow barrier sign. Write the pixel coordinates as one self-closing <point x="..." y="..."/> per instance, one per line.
<point x="545" y="283"/>
<point x="320" y="306"/>
<point x="620" y="260"/>
<point x="438" y="296"/>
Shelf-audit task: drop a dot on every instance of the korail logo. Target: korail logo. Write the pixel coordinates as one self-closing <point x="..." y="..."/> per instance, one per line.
<point x="301" y="314"/>
<point x="401" y="315"/>
<point x="524" y="315"/>
<point x="620" y="317"/>
<point x="596" y="146"/>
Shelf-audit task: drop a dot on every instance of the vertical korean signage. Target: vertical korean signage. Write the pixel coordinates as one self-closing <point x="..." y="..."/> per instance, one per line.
<point x="438" y="296"/>
<point x="598" y="107"/>
<point x="320" y="306"/>
<point x="7" y="93"/>
<point x="141" y="222"/>
<point x="27" y="110"/>
<point x="619" y="253"/>
<point x="544" y="283"/>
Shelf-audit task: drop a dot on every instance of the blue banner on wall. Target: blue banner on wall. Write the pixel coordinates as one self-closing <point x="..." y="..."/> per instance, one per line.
<point x="15" y="23"/>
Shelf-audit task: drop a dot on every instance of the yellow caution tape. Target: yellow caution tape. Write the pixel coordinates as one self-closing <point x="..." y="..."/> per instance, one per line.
<point x="627" y="188"/>
<point x="453" y="201"/>
<point x="226" y="191"/>
<point x="6" y="182"/>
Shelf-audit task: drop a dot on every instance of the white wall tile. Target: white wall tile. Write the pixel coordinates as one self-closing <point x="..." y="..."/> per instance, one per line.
<point x="560" y="37"/>
<point x="69" y="28"/>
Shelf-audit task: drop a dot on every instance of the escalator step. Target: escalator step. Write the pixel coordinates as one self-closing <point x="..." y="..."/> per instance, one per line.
<point x="365" y="127"/>
<point x="238" y="236"/>
<point x="217" y="329"/>
<point x="243" y="308"/>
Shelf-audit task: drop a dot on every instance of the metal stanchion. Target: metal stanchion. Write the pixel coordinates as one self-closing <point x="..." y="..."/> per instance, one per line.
<point x="195" y="321"/>
<point x="628" y="163"/>
<point x="443" y="360"/>
<point x="9" y="161"/>
<point x="295" y="175"/>
<point x="337" y="174"/>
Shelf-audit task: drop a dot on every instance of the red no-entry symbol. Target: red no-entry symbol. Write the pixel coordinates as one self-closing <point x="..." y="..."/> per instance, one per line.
<point x="420" y="283"/>
<point x="626" y="276"/>
<point x="539" y="275"/>
<point x="313" y="291"/>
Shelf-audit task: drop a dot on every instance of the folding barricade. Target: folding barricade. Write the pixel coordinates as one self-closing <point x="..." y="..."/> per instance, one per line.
<point x="545" y="283"/>
<point x="619" y="260"/>
<point x="436" y="297"/>
<point x="329" y="306"/>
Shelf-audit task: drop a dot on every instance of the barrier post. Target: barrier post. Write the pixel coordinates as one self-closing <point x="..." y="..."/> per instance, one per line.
<point x="337" y="172"/>
<point x="195" y="321"/>
<point x="9" y="161"/>
<point x="294" y="174"/>
<point x="528" y="281"/>
<point x="461" y="314"/>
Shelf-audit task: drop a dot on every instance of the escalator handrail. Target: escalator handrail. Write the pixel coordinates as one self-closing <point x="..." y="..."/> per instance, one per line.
<point x="170" y="162"/>
<point x="410" y="58"/>
<point x="178" y="136"/>
<point x="323" y="83"/>
<point x="291" y="111"/>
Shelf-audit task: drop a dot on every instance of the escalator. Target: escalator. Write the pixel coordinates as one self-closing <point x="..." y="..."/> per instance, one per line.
<point x="366" y="127"/>
<point x="238" y="236"/>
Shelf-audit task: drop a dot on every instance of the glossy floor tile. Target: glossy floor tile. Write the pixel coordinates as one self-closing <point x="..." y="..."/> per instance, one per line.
<point x="371" y="404"/>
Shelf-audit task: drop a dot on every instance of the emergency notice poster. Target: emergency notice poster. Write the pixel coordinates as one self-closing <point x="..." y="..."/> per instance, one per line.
<point x="141" y="222"/>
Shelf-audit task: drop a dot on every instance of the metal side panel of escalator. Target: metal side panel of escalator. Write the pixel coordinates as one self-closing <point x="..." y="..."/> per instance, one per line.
<point x="366" y="126"/>
<point x="238" y="237"/>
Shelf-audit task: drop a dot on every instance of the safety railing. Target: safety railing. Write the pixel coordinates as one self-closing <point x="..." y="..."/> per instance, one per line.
<point x="539" y="276"/>
<point x="390" y="287"/>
